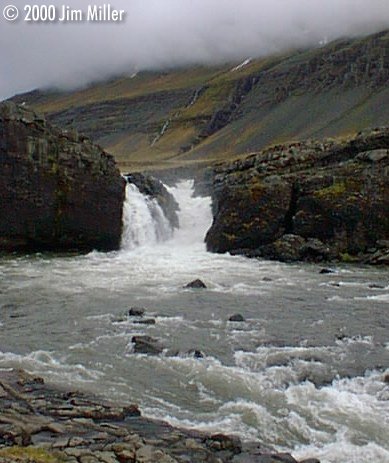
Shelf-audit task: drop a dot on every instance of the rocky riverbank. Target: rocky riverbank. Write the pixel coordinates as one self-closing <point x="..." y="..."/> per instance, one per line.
<point x="59" y="191"/>
<point x="42" y="424"/>
<point x="314" y="201"/>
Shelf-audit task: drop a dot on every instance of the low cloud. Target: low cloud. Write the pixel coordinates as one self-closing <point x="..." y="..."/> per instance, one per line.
<point x="164" y="33"/>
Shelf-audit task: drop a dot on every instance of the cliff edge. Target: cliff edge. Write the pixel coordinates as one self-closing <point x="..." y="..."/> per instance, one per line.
<point x="58" y="191"/>
<point x="310" y="200"/>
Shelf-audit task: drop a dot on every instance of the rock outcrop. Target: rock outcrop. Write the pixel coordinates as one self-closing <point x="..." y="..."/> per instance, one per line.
<point x="41" y="424"/>
<point x="306" y="201"/>
<point x="59" y="192"/>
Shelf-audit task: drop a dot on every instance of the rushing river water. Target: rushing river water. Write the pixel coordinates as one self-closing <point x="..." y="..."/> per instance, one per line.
<point x="304" y="373"/>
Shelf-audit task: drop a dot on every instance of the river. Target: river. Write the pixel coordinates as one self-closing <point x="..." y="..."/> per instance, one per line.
<point x="305" y="372"/>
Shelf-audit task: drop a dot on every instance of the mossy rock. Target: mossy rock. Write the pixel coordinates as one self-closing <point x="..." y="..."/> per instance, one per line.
<point x="340" y="188"/>
<point x="29" y="455"/>
<point x="347" y="258"/>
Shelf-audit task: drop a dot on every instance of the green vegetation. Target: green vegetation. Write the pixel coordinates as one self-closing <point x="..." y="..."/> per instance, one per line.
<point x="29" y="455"/>
<point x="333" y="191"/>
<point x="346" y="186"/>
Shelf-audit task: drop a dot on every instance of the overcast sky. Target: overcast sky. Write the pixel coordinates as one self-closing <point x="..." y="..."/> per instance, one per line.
<point x="160" y="33"/>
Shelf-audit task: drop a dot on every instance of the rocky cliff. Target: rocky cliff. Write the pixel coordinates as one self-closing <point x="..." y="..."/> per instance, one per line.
<point x="306" y="201"/>
<point x="58" y="191"/>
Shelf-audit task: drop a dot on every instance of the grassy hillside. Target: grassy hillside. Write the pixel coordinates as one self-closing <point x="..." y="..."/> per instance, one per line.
<point x="186" y="117"/>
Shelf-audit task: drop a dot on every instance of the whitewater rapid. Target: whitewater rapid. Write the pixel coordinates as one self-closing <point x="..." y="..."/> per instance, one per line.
<point x="304" y="373"/>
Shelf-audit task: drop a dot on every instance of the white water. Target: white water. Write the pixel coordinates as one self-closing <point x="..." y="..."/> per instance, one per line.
<point x="161" y="133"/>
<point x="144" y="223"/>
<point x="281" y="377"/>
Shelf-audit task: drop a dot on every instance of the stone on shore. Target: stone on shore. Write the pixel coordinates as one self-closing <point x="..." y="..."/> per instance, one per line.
<point x="42" y="424"/>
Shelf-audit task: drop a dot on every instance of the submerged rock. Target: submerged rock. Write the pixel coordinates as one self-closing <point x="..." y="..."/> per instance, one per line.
<point x="196" y="353"/>
<point x="237" y="318"/>
<point x="59" y="191"/>
<point x="136" y="312"/>
<point x="326" y="271"/>
<point x="196" y="284"/>
<point x="375" y="286"/>
<point x="145" y="321"/>
<point x="146" y="345"/>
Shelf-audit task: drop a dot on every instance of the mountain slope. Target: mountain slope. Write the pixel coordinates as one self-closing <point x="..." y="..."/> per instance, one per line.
<point x="200" y="115"/>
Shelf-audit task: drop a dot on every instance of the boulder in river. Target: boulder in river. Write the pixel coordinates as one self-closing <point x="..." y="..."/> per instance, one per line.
<point x="145" y="321"/>
<point x="196" y="284"/>
<point x="146" y="345"/>
<point x="375" y="286"/>
<point x="326" y="271"/>
<point x="237" y="318"/>
<point x="196" y="353"/>
<point x="136" y="312"/>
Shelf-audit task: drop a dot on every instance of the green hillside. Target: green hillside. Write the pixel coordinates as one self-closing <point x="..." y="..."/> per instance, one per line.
<point x="185" y="117"/>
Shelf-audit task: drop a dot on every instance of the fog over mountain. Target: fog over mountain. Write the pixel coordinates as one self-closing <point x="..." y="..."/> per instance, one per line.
<point x="163" y="33"/>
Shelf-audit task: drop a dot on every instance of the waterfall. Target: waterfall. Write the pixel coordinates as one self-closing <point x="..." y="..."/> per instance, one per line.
<point x="195" y="215"/>
<point x="144" y="222"/>
<point x="196" y="95"/>
<point x="161" y="132"/>
<point x="241" y="65"/>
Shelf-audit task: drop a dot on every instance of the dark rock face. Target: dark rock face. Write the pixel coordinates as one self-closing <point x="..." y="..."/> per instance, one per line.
<point x="291" y="248"/>
<point x="58" y="191"/>
<point x="306" y="201"/>
<point x="154" y="188"/>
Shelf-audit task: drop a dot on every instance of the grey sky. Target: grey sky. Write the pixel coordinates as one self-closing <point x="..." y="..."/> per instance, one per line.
<point x="161" y="33"/>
